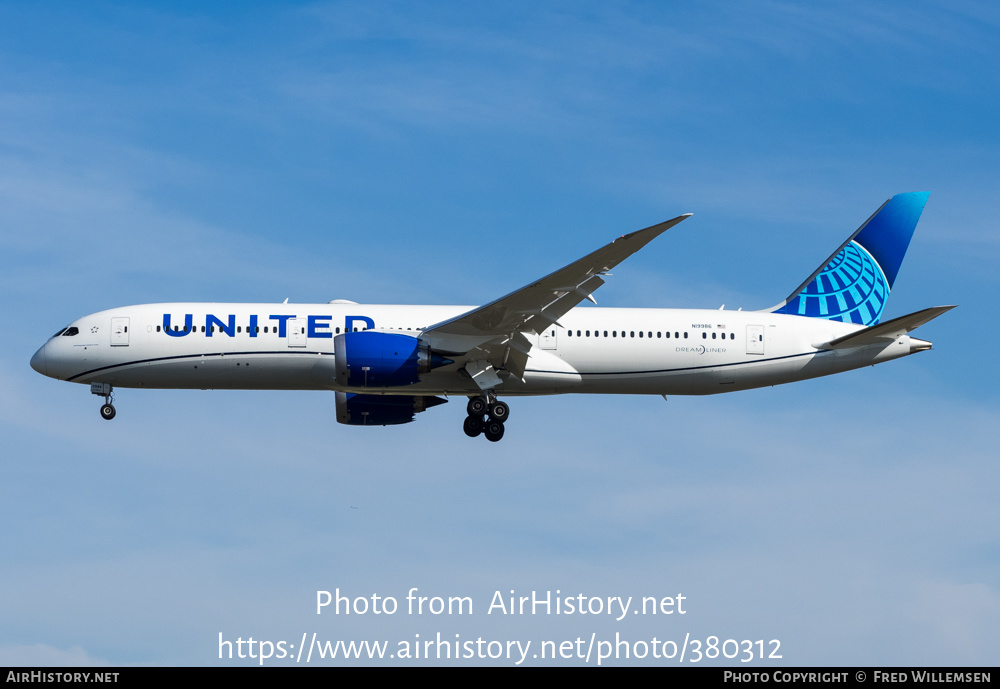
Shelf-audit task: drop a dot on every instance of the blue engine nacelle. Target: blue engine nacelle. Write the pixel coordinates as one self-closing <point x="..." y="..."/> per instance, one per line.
<point x="381" y="410"/>
<point x="376" y="359"/>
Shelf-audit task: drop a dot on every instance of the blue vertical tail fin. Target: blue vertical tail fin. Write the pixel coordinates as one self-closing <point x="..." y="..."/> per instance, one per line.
<point x="853" y="285"/>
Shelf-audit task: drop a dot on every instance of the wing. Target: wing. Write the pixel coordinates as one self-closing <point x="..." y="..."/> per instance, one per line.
<point x="497" y="329"/>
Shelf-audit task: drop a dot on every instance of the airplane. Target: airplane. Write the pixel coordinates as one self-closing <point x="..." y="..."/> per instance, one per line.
<point x="387" y="363"/>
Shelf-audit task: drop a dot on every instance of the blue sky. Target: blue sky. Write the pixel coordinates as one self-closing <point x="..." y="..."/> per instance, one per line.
<point x="450" y="153"/>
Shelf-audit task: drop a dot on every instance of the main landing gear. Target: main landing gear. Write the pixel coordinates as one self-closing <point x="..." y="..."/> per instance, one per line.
<point x="105" y="390"/>
<point x="486" y="415"/>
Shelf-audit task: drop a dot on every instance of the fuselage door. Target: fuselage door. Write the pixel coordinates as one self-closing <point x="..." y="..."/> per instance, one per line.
<point x="547" y="340"/>
<point x="119" y="332"/>
<point x="296" y="332"/>
<point x="755" y="339"/>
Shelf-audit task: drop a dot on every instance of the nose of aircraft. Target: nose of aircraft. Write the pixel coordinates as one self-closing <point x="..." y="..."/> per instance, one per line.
<point x="38" y="361"/>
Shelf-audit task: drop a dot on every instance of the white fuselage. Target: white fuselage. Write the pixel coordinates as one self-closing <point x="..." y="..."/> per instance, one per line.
<point x="593" y="350"/>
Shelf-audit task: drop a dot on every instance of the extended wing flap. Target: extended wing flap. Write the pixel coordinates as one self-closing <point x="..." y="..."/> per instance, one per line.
<point x="511" y="354"/>
<point x="887" y="331"/>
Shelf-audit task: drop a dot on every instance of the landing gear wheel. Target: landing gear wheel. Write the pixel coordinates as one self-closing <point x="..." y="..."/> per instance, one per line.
<point x="476" y="407"/>
<point x="493" y="431"/>
<point x="108" y="412"/>
<point x="473" y="426"/>
<point x="499" y="411"/>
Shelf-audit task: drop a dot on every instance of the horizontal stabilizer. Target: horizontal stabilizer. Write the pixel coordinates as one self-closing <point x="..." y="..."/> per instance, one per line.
<point x="888" y="331"/>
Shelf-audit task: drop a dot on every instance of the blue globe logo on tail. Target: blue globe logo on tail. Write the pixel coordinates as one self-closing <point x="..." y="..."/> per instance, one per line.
<point x="852" y="288"/>
<point x="854" y="284"/>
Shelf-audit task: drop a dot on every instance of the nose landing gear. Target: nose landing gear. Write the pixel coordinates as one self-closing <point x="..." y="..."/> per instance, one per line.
<point x="483" y="406"/>
<point x="106" y="391"/>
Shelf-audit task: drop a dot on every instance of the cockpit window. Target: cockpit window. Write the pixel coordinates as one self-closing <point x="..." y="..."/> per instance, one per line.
<point x="69" y="332"/>
<point x="59" y="333"/>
